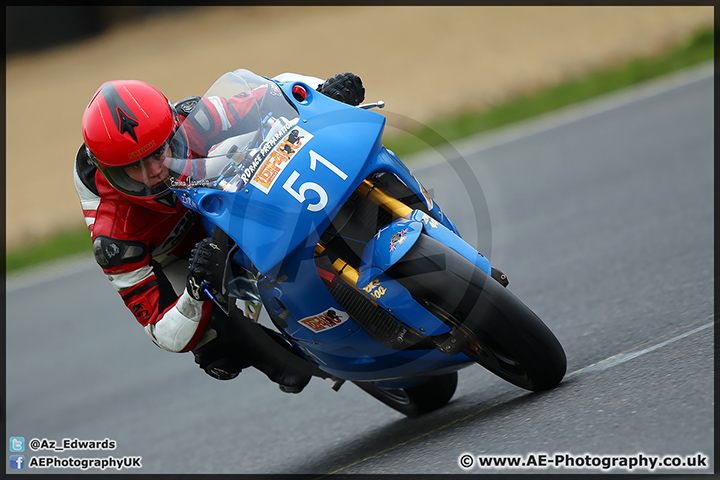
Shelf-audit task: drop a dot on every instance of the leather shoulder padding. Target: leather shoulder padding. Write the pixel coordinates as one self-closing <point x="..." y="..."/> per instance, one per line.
<point x="86" y="169"/>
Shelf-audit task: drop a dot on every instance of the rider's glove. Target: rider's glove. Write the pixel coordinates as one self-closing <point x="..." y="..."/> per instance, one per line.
<point x="207" y="263"/>
<point x="344" y="87"/>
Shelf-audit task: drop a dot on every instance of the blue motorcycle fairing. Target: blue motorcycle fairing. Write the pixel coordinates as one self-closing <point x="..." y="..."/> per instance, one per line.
<point x="382" y="252"/>
<point x="311" y="318"/>
<point x="377" y="362"/>
<point x="278" y="224"/>
<point x="348" y="351"/>
<point x="440" y="233"/>
<point x="306" y="194"/>
<point x="393" y="297"/>
<point x="388" y="246"/>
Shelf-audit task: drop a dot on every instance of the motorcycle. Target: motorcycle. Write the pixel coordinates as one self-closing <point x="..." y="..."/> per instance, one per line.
<point x="356" y="265"/>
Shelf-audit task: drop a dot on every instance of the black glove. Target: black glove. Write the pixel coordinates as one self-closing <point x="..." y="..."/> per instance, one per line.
<point x="344" y="87"/>
<point x="207" y="264"/>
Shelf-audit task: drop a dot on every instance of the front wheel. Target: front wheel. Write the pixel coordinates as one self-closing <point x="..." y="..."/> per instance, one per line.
<point x="491" y="326"/>
<point x="413" y="401"/>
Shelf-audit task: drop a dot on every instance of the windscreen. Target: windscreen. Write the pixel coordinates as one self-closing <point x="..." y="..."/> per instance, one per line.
<point x="229" y="133"/>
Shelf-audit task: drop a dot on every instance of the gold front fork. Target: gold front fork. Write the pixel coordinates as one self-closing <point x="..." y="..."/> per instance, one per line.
<point x="393" y="206"/>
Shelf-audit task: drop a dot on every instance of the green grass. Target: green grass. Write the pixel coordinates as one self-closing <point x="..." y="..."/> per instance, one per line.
<point x="59" y="245"/>
<point x="699" y="49"/>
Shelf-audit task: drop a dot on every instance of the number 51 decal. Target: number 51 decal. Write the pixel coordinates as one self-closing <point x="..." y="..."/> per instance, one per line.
<point x="299" y="194"/>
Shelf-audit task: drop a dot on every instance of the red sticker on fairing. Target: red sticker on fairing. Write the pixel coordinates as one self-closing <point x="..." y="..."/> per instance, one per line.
<point x="326" y="320"/>
<point x="277" y="160"/>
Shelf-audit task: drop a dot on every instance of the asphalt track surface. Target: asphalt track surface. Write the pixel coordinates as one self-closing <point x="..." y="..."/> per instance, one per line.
<point x="602" y="217"/>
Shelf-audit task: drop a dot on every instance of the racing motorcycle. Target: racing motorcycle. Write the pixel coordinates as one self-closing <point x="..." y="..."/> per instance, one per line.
<point x="355" y="264"/>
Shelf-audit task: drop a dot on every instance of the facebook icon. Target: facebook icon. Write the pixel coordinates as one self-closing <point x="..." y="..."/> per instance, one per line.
<point x="17" y="462"/>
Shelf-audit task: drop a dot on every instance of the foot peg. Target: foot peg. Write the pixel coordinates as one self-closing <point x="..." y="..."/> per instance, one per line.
<point x="499" y="276"/>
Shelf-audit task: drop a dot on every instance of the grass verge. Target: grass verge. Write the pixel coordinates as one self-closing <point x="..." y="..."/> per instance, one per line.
<point x="59" y="245"/>
<point x="698" y="49"/>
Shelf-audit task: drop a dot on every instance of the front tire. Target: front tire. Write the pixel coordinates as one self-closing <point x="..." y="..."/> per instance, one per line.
<point x="497" y="330"/>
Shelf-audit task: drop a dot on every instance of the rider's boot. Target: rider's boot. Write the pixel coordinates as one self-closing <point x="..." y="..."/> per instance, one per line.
<point x="233" y="343"/>
<point x="280" y="365"/>
<point x="271" y="354"/>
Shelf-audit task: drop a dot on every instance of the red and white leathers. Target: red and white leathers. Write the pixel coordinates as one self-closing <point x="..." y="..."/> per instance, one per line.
<point x="143" y="244"/>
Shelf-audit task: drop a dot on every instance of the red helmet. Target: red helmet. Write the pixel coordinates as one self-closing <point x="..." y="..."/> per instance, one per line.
<point x="128" y="123"/>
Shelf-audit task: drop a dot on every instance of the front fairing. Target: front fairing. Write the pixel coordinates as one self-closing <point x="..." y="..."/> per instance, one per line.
<point x="273" y="187"/>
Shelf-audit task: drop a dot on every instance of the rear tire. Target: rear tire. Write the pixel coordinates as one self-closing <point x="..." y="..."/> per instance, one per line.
<point x="503" y="334"/>
<point x="417" y="400"/>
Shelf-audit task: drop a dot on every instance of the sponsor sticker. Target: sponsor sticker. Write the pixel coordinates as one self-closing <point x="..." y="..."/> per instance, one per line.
<point x="326" y="320"/>
<point x="279" y="157"/>
<point x="428" y="220"/>
<point x="397" y="239"/>
<point x="375" y="289"/>
<point x="428" y="200"/>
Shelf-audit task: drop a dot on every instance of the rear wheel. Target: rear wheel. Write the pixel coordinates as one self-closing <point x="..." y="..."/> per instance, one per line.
<point x="490" y="324"/>
<point x="414" y="401"/>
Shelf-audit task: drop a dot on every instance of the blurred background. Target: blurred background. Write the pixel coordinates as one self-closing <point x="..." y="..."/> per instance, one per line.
<point x="30" y="29"/>
<point x="602" y="220"/>
<point x="423" y="61"/>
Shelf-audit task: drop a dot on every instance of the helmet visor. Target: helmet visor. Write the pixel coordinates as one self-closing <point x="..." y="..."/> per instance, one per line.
<point x="144" y="178"/>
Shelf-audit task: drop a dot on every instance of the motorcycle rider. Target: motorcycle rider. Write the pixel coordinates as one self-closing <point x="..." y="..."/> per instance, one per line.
<point x="150" y="246"/>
